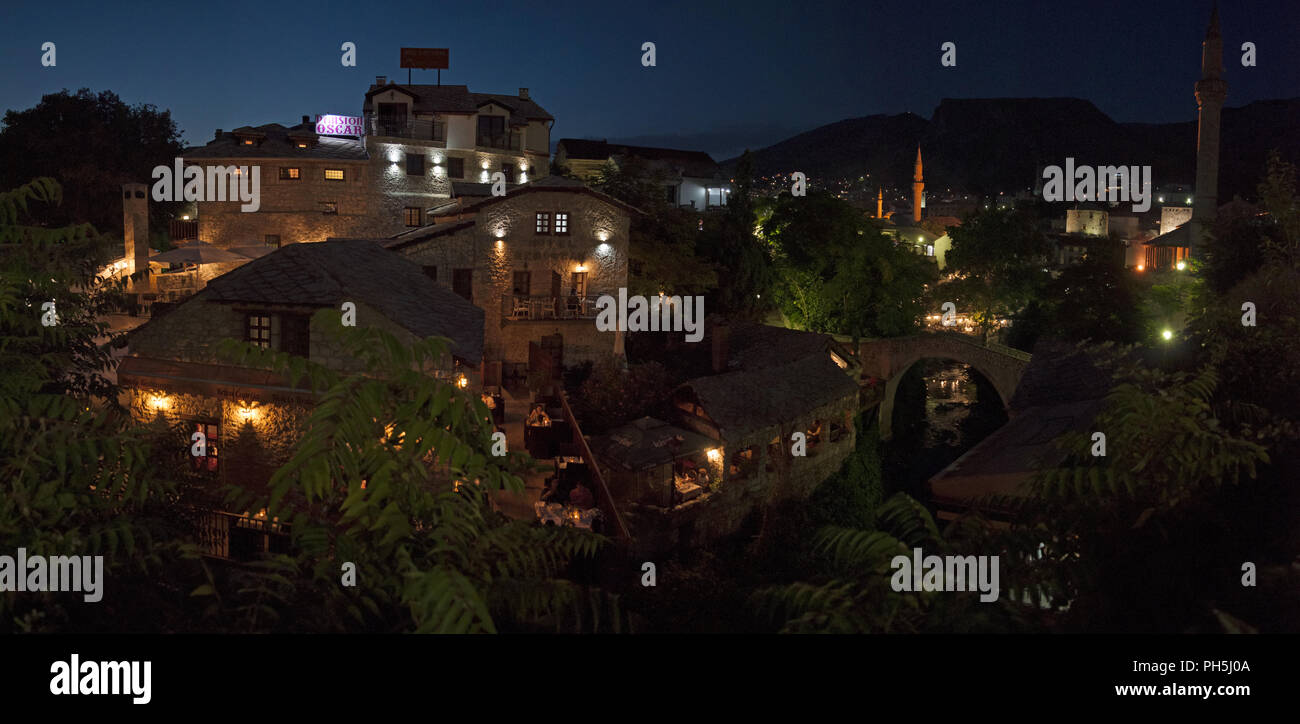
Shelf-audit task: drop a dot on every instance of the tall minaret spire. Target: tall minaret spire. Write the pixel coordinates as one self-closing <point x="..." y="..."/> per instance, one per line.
<point x="880" y="202"/>
<point x="1211" y="89"/>
<point x="917" y="187"/>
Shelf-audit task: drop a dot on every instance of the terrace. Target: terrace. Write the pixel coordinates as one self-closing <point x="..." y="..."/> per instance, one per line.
<point x="523" y="308"/>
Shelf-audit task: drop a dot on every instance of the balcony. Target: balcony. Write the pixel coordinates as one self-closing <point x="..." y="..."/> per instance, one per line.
<point x="521" y="308"/>
<point x="419" y="129"/>
<point x="503" y="142"/>
<point x="240" y="537"/>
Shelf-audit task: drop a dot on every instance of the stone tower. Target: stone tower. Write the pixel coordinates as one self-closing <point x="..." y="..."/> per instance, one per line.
<point x="135" y="229"/>
<point x="918" y="187"/>
<point x="1211" y="89"/>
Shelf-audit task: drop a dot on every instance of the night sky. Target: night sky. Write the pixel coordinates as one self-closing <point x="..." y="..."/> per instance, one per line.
<point x="729" y="74"/>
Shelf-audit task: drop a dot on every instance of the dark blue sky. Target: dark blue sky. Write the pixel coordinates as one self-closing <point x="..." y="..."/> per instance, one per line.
<point x="729" y="74"/>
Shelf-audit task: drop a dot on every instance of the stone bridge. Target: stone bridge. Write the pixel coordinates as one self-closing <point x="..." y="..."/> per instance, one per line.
<point x="888" y="359"/>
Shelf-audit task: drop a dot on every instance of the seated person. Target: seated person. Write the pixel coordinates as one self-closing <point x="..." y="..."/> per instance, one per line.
<point x="538" y="416"/>
<point x="581" y="496"/>
<point x="554" y="492"/>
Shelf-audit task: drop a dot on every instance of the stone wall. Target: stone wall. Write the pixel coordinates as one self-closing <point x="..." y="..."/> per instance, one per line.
<point x="504" y="240"/>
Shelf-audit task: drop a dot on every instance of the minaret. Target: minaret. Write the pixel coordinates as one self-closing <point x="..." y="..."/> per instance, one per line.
<point x="880" y="202"/>
<point x="1210" y="92"/>
<point x="918" y="186"/>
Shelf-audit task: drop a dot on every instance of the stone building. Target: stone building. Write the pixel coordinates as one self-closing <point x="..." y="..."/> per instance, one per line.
<point x="250" y="417"/>
<point x="692" y="179"/>
<point x="419" y="140"/>
<point x="536" y="260"/>
<point x="773" y="382"/>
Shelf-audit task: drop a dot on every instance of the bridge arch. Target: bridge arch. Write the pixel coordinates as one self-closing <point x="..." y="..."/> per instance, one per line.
<point x="889" y="359"/>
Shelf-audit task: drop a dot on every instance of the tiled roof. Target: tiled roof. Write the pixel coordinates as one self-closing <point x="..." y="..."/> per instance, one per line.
<point x="646" y="443"/>
<point x="458" y="99"/>
<point x="748" y="400"/>
<point x="696" y="164"/>
<point x="328" y="273"/>
<point x="753" y="346"/>
<point x="276" y="143"/>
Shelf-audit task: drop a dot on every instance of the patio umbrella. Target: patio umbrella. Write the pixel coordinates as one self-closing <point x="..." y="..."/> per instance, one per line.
<point x="197" y="252"/>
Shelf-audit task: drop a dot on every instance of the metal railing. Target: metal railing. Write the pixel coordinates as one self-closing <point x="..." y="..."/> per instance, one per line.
<point x="238" y="537"/>
<point x="604" y="500"/>
<point x="518" y="307"/>
<point x="510" y="142"/>
<point x="421" y="129"/>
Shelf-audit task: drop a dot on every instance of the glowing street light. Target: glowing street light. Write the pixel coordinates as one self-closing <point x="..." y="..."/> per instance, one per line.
<point x="1168" y="334"/>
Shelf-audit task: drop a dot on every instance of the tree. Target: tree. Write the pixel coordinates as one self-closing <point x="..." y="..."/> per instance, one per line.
<point x="837" y="273"/>
<point x="745" y="270"/>
<point x="999" y="257"/>
<point x="393" y="474"/>
<point x="114" y="144"/>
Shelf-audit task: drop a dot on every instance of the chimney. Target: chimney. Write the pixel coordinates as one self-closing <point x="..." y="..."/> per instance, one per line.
<point x="381" y="80"/>
<point x="217" y="137"/>
<point x="135" y="230"/>
<point x="721" y="348"/>
<point x="523" y="94"/>
<point x="306" y="120"/>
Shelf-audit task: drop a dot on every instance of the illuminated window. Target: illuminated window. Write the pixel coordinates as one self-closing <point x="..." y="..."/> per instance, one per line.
<point x="561" y="222"/>
<point x="333" y="174"/>
<point x="206" y="463"/>
<point x="248" y="141"/>
<point x="543" y="222"/>
<point x="412" y="216"/>
<point x="290" y="174"/>
<point x="578" y="286"/>
<point x="257" y="329"/>
<point x="329" y="207"/>
<point x="272" y="240"/>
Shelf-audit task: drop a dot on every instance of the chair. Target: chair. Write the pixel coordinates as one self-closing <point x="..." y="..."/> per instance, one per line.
<point x="521" y="309"/>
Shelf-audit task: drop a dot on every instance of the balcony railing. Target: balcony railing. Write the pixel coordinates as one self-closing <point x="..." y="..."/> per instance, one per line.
<point x="533" y="308"/>
<point x="239" y="537"/>
<point x="511" y="142"/>
<point x="421" y="129"/>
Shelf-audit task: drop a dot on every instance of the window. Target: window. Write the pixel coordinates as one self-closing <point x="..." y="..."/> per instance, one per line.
<point x="431" y="272"/>
<point x="543" y="222"/>
<point x="272" y="240"/>
<point x="248" y="141"/>
<point x="290" y="174"/>
<point x="561" y="222"/>
<point x="257" y="329"/>
<point x="492" y="131"/>
<point x="414" y="164"/>
<point x="329" y="207"/>
<point x="509" y="170"/>
<point x="579" y="284"/>
<point x="206" y="463"/>
<point x="456" y="168"/>
<point x="929" y="249"/>
<point x="462" y="282"/>
<point x="333" y="174"/>
<point x="413" y="216"/>
<point x="523" y="283"/>
<point x="717" y="197"/>
<point x="295" y="335"/>
<point x="670" y="194"/>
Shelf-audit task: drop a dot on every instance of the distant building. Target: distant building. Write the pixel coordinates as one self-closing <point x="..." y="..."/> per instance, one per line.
<point x="693" y="179"/>
<point x="1088" y="222"/>
<point x="415" y="141"/>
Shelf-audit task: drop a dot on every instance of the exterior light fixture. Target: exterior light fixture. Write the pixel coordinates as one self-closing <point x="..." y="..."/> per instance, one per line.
<point x="462" y="381"/>
<point x="1141" y="267"/>
<point x="714" y="454"/>
<point x="581" y="268"/>
<point x="160" y="402"/>
<point x="185" y="217"/>
<point x="1167" y="334"/>
<point x="247" y="413"/>
<point x="1181" y="265"/>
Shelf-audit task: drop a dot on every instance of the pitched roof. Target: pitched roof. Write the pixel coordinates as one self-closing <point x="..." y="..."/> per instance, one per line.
<point x="696" y="164"/>
<point x="458" y="99"/>
<point x="753" y="345"/>
<point x="328" y="273"/>
<point x="276" y="143"/>
<point x="646" y="443"/>
<point x="748" y="400"/>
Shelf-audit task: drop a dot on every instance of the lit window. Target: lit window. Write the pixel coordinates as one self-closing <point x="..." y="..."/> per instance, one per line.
<point x="258" y="330"/>
<point x="302" y="145"/>
<point x="290" y="174"/>
<point x="543" y="222"/>
<point x="248" y="141"/>
<point x="206" y="462"/>
<point x="333" y="174"/>
<point x="561" y="222"/>
<point x="329" y="207"/>
<point x="413" y="216"/>
<point x="272" y="240"/>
